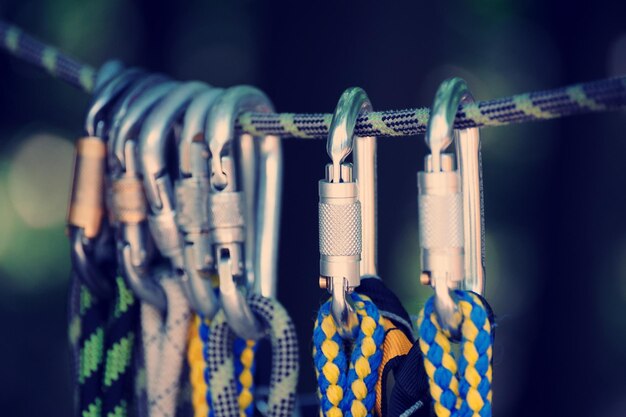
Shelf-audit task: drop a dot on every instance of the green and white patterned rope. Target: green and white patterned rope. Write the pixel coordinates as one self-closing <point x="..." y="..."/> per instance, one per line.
<point x="595" y="96"/>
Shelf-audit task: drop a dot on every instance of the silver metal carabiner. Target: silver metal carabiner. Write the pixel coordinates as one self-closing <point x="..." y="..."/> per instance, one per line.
<point x="240" y="218"/>
<point x="192" y="198"/>
<point x="86" y="210"/>
<point x="346" y="221"/>
<point x="127" y="198"/>
<point x="156" y="131"/>
<point x="451" y="219"/>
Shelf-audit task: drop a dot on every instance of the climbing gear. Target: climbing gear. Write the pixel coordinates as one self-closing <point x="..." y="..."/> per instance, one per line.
<point x="164" y="347"/>
<point x="285" y="363"/>
<point x="86" y="211"/>
<point x="154" y="135"/>
<point x="452" y="242"/>
<point x="192" y="198"/>
<point x="348" y="389"/>
<point x="101" y="330"/>
<point x="229" y="217"/>
<point x="340" y="221"/>
<point x="451" y="220"/>
<point x="128" y="202"/>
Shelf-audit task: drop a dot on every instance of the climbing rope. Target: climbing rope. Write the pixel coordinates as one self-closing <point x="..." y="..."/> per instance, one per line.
<point x="164" y="346"/>
<point x="348" y="390"/>
<point x="198" y="357"/>
<point x="596" y="96"/>
<point x="459" y="387"/>
<point x="103" y="337"/>
<point x="285" y="366"/>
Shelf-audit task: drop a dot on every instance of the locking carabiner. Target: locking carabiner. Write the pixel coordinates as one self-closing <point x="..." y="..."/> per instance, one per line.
<point x="156" y="131"/>
<point x="451" y="220"/>
<point x="192" y="198"/>
<point x="341" y="222"/>
<point x="86" y="209"/>
<point x="127" y="198"/>
<point x="253" y="268"/>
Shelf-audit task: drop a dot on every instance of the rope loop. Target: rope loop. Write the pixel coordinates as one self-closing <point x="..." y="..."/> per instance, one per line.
<point x="344" y="389"/>
<point x="222" y="368"/>
<point x="459" y="387"/>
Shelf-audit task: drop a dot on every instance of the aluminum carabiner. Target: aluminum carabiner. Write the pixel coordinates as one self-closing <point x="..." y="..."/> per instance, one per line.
<point x="86" y="210"/>
<point x="127" y="198"/>
<point x="156" y="131"/>
<point x="341" y="221"/>
<point x="451" y="218"/>
<point x="241" y="217"/>
<point x="192" y="198"/>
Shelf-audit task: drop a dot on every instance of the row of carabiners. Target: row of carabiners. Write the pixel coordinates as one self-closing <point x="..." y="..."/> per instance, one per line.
<point x="204" y="244"/>
<point x="173" y="223"/>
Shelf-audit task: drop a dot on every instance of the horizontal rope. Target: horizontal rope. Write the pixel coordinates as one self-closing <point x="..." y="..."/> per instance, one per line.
<point x="596" y="96"/>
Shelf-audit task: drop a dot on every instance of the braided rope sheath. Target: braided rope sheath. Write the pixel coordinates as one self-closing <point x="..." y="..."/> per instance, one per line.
<point x="164" y="346"/>
<point x="285" y="366"/>
<point x="595" y="96"/>
<point x="86" y="331"/>
<point x="344" y="390"/>
<point x="117" y="388"/>
<point x="197" y="356"/>
<point x="462" y="387"/>
<point x="200" y="397"/>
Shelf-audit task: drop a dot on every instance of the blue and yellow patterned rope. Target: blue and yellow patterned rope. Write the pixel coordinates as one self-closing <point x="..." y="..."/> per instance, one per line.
<point x="596" y="96"/>
<point x="348" y="390"/>
<point x="459" y="387"/>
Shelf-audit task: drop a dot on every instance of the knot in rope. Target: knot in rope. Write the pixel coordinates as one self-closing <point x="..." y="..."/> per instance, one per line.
<point x="462" y="387"/>
<point x="348" y="391"/>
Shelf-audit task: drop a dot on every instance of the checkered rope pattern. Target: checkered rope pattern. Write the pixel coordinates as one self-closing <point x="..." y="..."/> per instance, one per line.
<point x="285" y="366"/>
<point x="596" y="96"/>
<point x="164" y="347"/>
<point x="459" y="387"/>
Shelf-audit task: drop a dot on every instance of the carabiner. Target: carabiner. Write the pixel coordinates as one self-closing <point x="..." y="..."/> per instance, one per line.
<point x="127" y="198"/>
<point x="86" y="210"/>
<point x="340" y="211"/>
<point x="156" y="131"/>
<point x="255" y="267"/>
<point x="192" y="198"/>
<point x="451" y="218"/>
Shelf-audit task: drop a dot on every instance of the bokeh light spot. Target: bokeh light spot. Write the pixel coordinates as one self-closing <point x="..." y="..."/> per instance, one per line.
<point x="39" y="180"/>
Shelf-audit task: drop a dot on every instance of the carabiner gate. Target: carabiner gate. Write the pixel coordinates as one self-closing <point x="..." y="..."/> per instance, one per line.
<point x="342" y="225"/>
<point x="254" y="267"/>
<point x="192" y="197"/>
<point x="128" y="204"/>
<point x="451" y="221"/>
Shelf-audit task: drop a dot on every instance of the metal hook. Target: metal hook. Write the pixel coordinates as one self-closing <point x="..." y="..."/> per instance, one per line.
<point x="153" y="140"/>
<point x="128" y="201"/>
<point x="340" y="210"/>
<point x="192" y="195"/>
<point x="86" y="211"/>
<point x="243" y="217"/>
<point x="450" y="203"/>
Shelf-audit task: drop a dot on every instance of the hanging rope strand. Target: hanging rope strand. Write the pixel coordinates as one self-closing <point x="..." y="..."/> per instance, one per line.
<point x="596" y="96"/>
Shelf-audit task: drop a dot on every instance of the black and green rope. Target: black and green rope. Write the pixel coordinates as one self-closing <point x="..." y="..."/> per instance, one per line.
<point x="596" y="96"/>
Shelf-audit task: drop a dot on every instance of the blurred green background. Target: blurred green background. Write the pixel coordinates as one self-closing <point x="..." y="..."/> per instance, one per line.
<point x="555" y="192"/>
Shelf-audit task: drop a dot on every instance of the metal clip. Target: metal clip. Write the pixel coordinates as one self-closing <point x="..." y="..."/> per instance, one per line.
<point x="244" y="223"/>
<point x="342" y="225"/>
<point x="129" y="209"/>
<point x="86" y="211"/>
<point x="156" y="131"/>
<point x="450" y="206"/>
<point x="192" y="197"/>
